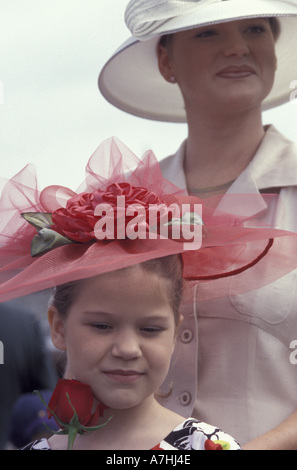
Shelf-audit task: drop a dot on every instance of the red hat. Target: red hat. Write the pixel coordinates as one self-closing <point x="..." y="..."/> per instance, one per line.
<point x="54" y="236"/>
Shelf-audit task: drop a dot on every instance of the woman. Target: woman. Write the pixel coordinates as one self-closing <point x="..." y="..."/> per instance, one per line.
<point x="221" y="64"/>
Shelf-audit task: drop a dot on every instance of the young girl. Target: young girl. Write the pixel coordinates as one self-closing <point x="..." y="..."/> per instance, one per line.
<point x="118" y="330"/>
<point x="115" y="309"/>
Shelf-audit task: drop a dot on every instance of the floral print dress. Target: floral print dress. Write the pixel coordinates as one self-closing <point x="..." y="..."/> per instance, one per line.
<point x="191" y="434"/>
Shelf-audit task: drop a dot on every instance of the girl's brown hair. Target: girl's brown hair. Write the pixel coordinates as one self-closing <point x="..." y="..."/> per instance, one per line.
<point x="168" y="268"/>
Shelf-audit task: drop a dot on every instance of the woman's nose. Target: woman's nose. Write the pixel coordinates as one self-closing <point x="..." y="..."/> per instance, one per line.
<point x="126" y="346"/>
<point x="236" y="45"/>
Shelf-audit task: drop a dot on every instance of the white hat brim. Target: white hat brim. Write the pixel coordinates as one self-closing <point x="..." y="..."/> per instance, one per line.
<point x="131" y="80"/>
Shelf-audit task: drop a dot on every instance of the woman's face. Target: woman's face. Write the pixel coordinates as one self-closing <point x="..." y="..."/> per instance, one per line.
<point x="119" y="336"/>
<point x="229" y="64"/>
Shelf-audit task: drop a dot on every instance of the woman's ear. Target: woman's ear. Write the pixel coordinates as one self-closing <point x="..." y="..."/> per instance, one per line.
<point x="165" y="65"/>
<point x="57" y="327"/>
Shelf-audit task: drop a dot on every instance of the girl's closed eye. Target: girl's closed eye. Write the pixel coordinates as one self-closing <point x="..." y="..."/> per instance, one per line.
<point x="152" y="330"/>
<point x="102" y="326"/>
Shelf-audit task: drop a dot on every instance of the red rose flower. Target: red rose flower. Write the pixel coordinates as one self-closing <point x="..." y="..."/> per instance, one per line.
<point x="81" y="399"/>
<point x="71" y="406"/>
<point x="133" y="195"/>
<point x="77" y="221"/>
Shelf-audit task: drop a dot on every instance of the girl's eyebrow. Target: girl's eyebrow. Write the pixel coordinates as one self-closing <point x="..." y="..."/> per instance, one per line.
<point x="96" y="312"/>
<point x="155" y="317"/>
<point x="147" y="317"/>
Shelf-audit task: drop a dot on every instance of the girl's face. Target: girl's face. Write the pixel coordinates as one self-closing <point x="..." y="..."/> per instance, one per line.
<point x="119" y="336"/>
<point x="227" y="64"/>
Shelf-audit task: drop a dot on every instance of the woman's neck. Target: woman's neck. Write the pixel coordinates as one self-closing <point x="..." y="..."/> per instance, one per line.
<point x="219" y="148"/>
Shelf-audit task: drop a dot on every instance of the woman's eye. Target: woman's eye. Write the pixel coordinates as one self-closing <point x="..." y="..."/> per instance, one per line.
<point x="207" y="33"/>
<point x="257" y="29"/>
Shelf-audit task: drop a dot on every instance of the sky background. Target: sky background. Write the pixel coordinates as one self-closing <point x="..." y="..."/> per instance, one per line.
<point x="52" y="114"/>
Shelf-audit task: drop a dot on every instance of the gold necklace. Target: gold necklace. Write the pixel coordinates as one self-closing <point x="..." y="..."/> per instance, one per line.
<point x="213" y="189"/>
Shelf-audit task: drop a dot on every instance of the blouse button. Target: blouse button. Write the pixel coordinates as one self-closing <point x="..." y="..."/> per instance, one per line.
<point x="185" y="398"/>
<point x="187" y="336"/>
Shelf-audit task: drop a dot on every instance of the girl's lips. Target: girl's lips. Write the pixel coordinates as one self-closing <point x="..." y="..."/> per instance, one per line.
<point x="124" y="376"/>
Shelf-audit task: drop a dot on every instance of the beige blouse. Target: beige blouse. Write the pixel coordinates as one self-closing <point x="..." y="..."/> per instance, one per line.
<point x="232" y="359"/>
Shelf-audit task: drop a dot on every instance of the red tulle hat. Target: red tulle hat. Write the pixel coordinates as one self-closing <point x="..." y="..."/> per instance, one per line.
<point x="50" y="237"/>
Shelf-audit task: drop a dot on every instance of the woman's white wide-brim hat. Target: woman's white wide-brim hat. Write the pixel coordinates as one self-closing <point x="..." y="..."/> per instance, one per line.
<point x="131" y="81"/>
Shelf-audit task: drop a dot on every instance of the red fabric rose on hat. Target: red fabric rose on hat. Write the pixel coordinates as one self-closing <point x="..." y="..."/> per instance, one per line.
<point x="77" y="221"/>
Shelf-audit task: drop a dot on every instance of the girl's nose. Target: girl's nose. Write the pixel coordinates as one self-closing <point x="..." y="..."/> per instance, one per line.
<point x="126" y="346"/>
